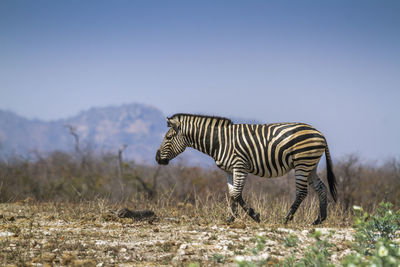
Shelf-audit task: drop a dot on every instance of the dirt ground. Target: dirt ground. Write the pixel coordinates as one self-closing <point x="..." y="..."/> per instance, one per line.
<point x="93" y="235"/>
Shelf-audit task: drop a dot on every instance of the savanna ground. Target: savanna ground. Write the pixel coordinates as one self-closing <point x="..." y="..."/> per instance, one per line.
<point x="62" y="209"/>
<point x="91" y="233"/>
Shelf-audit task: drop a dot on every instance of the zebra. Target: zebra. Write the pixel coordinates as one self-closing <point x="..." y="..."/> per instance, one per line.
<point x="266" y="150"/>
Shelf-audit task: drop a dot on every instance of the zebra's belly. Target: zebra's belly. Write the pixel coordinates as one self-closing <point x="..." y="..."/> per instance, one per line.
<point x="277" y="174"/>
<point x="272" y="172"/>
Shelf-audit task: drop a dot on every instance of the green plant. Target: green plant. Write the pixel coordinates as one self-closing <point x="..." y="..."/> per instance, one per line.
<point x="219" y="258"/>
<point x="260" y="245"/>
<point x="315" y="255"/>
<point x="244" y="263"/>
<point x="386" y="253"/>
<point x="291" y="240"/>
<point x="374" y="238"/>
<point x="372" y="228"/>
<point x="287" y="262"/>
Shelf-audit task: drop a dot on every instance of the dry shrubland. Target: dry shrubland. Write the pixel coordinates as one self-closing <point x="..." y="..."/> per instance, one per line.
<point x="85" y="176"/>
<point x="61" y="209"/>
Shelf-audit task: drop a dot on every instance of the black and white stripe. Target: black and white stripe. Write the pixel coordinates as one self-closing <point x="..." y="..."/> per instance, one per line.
<point x="266" y="150"/>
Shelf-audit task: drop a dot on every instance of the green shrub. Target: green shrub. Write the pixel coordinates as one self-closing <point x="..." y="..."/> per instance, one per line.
<point x="260" y="245"/>
<point x="315" y="255"/>
<point x="291" y="240"/>
<point x="374" y="238"/>
<point x="219" y="258"/>
<point x="371" y="228"/>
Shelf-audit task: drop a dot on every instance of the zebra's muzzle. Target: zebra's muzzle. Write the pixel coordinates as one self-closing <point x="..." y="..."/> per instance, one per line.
<point x="160" y="160"/>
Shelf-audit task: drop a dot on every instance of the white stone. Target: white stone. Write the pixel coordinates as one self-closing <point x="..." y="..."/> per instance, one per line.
<point x="6" y="234"/>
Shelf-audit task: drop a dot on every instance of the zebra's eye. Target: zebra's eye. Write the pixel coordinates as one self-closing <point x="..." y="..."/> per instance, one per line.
<point x="169" y="136"/>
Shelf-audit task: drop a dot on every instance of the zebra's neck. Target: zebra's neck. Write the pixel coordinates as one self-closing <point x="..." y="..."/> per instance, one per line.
<point x="210" y="135"/>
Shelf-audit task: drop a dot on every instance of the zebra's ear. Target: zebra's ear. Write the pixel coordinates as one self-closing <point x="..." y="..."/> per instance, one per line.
<point x="174" y="123"/>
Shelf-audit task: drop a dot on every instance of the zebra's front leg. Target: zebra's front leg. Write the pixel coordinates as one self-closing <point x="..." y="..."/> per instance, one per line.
<point x="234" y="210"/>
<point x="233" y="203"/>
<point x="235" y="191"/>
<point x="250" y="211"/>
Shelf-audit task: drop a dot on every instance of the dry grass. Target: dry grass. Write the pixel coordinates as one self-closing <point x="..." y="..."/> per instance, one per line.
<point x="60" y="210"/>
<point x="89" y="233"/>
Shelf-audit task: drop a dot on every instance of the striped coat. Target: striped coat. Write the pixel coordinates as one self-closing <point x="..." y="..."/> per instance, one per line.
<point x="266" y="150"/>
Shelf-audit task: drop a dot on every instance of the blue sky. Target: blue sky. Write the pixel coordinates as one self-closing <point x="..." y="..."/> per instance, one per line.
<point x="333" y="64"/>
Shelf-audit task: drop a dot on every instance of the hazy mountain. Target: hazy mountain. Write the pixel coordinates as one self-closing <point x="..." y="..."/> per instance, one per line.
<point x="139" y="126"/>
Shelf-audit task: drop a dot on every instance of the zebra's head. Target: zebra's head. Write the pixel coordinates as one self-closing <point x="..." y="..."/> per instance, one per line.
<point x="174" y="143"/>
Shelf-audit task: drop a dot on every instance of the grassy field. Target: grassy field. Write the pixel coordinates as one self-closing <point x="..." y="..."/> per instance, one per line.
<point x="91" y="234"/>
<point x="61" y="209"/>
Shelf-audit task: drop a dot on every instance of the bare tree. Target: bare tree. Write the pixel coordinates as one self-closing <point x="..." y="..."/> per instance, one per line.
<point x="150" y="189"/>
<point x="120" y="161"/>
<point x="72" y="131"/>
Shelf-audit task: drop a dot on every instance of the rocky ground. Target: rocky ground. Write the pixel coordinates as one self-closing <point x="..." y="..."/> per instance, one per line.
<point x="85" y="235"/>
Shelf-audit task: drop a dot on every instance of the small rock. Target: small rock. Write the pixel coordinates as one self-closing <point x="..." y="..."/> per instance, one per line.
<point x="190" y="251"/>
<point x="100" y="242"/>
<point x="6" y="234"/>
<point x="239" y="225"/>
<point x="136" y="214"/>
<point x="28" y="200"/>
<point x="170" y="219"/>
<point x="184" y="246"/>
<point x="83" y="263"/>
<point x="67" y="258"/>
<point x="36" y="259"/>
<point x="110" y="217"/>
<point x="48" y="257"/>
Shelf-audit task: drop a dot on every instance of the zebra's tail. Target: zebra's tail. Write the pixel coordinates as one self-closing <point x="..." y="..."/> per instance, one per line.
<point x="330" y="174"/>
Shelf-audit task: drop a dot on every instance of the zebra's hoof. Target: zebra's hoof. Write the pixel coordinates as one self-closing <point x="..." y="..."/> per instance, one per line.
<point x="288" y="218"/>
<point x="256" y="217"/>
<point x="318" y="221"/>
<point x="230" y="219"/>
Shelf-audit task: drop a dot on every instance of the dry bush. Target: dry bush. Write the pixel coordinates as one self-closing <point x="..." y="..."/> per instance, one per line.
<point x="367" y="184"/>
<point x="74" y="177"/>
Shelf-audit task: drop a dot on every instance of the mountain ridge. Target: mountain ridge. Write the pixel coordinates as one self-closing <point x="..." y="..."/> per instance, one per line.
<point x="108" y="128"/>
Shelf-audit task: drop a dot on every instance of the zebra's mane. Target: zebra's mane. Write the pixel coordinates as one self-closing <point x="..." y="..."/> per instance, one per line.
<point x="228" y="121"/>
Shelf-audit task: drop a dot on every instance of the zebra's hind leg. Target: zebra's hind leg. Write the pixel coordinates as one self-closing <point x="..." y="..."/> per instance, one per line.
<point x="320" y="188"/>
<point x="301" y="193"/>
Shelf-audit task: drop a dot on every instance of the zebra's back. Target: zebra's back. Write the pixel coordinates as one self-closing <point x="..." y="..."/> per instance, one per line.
<point x="271" y="150"/>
